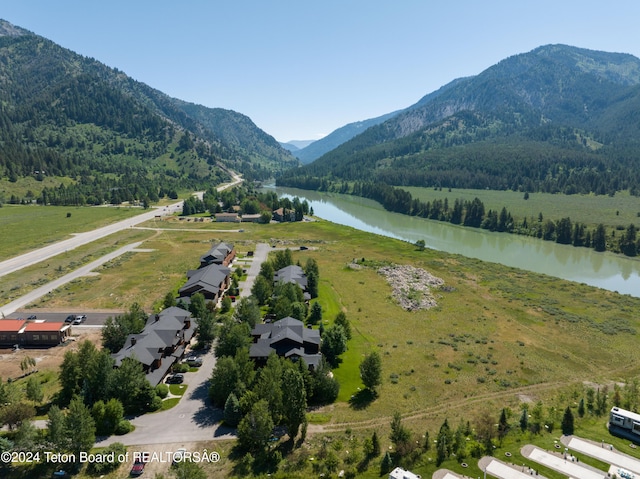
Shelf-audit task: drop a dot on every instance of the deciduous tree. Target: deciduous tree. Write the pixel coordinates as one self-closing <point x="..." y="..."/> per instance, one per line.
<point x="371" y="371"/>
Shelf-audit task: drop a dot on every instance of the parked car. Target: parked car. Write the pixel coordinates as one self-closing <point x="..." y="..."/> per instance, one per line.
<point x="194" y="361"/>
<point x="33" y="316"/>
<point x="175" y="379"/>
<point x="60" y="473"/>
<point x="137" y="468"/>
<point x="179" y="455"/>
<point x="70" y="319"/>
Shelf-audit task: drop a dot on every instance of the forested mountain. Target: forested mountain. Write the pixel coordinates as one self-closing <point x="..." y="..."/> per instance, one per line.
<point x="336" y="138"/>
<point x="65" y="115"/>
<point x="557" y="119"/>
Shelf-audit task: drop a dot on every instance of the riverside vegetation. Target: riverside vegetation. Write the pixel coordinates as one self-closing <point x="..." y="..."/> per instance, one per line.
<point x="498" y="338"/>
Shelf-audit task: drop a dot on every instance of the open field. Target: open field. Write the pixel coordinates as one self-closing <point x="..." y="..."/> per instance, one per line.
<point x="25" y="228"/>
<point x="619" y="210"/>
<point x="495" y="331"/>
<point x="20" y="282"/>
<point x="497" y="338"/>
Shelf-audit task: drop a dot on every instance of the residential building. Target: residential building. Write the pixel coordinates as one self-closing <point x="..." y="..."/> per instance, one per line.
<point x="252" y="218"/>
<point x="284" y="214"/>
<point x="293" y="274"/>
<point x="161" y="343"/>
<point x="211" y="281"/>
<point x="227" y="217"/>
<point x="288" y="338"/>
<point x="220" y="253"/>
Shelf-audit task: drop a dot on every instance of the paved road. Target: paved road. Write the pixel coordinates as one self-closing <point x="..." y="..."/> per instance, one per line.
<point x="37" y="293"/>
<point x="259" y="256"/>
<point x="192" y="419"/>
<point x="79" y="239"/>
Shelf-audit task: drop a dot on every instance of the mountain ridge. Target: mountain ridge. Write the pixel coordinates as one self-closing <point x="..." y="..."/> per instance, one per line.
<point x="555" y="101"/>
<point x="68" y="115"/>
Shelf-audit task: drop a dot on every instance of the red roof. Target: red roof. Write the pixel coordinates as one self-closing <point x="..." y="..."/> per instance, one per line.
<point x="45" y="326"/>
<point x="11" y="325"/>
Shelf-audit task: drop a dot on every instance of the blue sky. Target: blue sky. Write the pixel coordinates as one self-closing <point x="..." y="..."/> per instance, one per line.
<point x="300" y="68"/>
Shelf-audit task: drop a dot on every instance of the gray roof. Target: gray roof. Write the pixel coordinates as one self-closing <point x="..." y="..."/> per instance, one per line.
<point x="287" y="331"/>
<point x="208" y="278"/>
<point x="216" y="254"/>
<point x="164" y="330"/>
<point x="291" y="274"/>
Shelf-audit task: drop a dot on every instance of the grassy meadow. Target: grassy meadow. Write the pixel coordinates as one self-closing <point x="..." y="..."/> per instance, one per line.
<point x="499" y="337"/>
<point x="25" y="228"/>
<point x="619" y="210"/>
<point x="495" y="331"/>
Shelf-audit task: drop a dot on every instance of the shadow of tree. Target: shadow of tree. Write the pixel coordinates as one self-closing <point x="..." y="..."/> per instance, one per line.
<point x="206" y="415"/>
<point x="362" y="399"/>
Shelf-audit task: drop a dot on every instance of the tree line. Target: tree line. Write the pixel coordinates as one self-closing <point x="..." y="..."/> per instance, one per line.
<point x="473" y="213"/>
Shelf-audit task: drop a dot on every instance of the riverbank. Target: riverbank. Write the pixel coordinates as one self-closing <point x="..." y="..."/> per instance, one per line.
<point x="609" y="271"/>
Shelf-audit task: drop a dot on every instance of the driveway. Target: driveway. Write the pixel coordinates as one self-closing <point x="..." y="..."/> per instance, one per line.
<point x="192" y="419"/>
<point x="259" y="256"/>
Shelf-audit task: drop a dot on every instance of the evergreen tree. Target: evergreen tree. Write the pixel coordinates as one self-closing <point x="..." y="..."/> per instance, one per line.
<point x="375" y="444"/>
<point x="342" y="320"/>
<point x="599" y="239"/>
<point x="400" y="436"/>
<point x="315" y="313"/>
<point x="232" y="414"/>
<point x="255" y="428"/>
<point x="524" y="419"/>
<point x="503" y="425"/>
<point x="386" y="464"/>
<point x="567" y="422"/>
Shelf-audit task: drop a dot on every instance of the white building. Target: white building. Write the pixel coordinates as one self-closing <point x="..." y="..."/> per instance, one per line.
<point x="625" y="419"/>
<point x="399" y="473"/>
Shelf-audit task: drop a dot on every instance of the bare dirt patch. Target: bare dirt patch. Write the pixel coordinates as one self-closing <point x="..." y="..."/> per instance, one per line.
<point x="46" y="358"/>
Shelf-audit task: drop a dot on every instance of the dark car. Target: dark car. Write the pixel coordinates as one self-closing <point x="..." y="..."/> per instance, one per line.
<point x="70" y="318"/>
<point x="175" y="379"/>
<point x="137" y="468"/>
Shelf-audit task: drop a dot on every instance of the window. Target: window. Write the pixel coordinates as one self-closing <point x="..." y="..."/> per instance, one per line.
<point x="36" y="337"/>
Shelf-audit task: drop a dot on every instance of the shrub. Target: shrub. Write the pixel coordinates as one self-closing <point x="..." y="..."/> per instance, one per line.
<point x="123" y="427"/>
<point x="156" y="403"/>
<point x="180" y="368"/>
<point x="162" y="390"/>
<point x="118" y="449"/>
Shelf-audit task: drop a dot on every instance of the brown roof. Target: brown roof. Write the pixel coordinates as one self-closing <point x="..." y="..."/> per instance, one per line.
<point x="45" y="326"/>
<point x="10" y="325"/>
